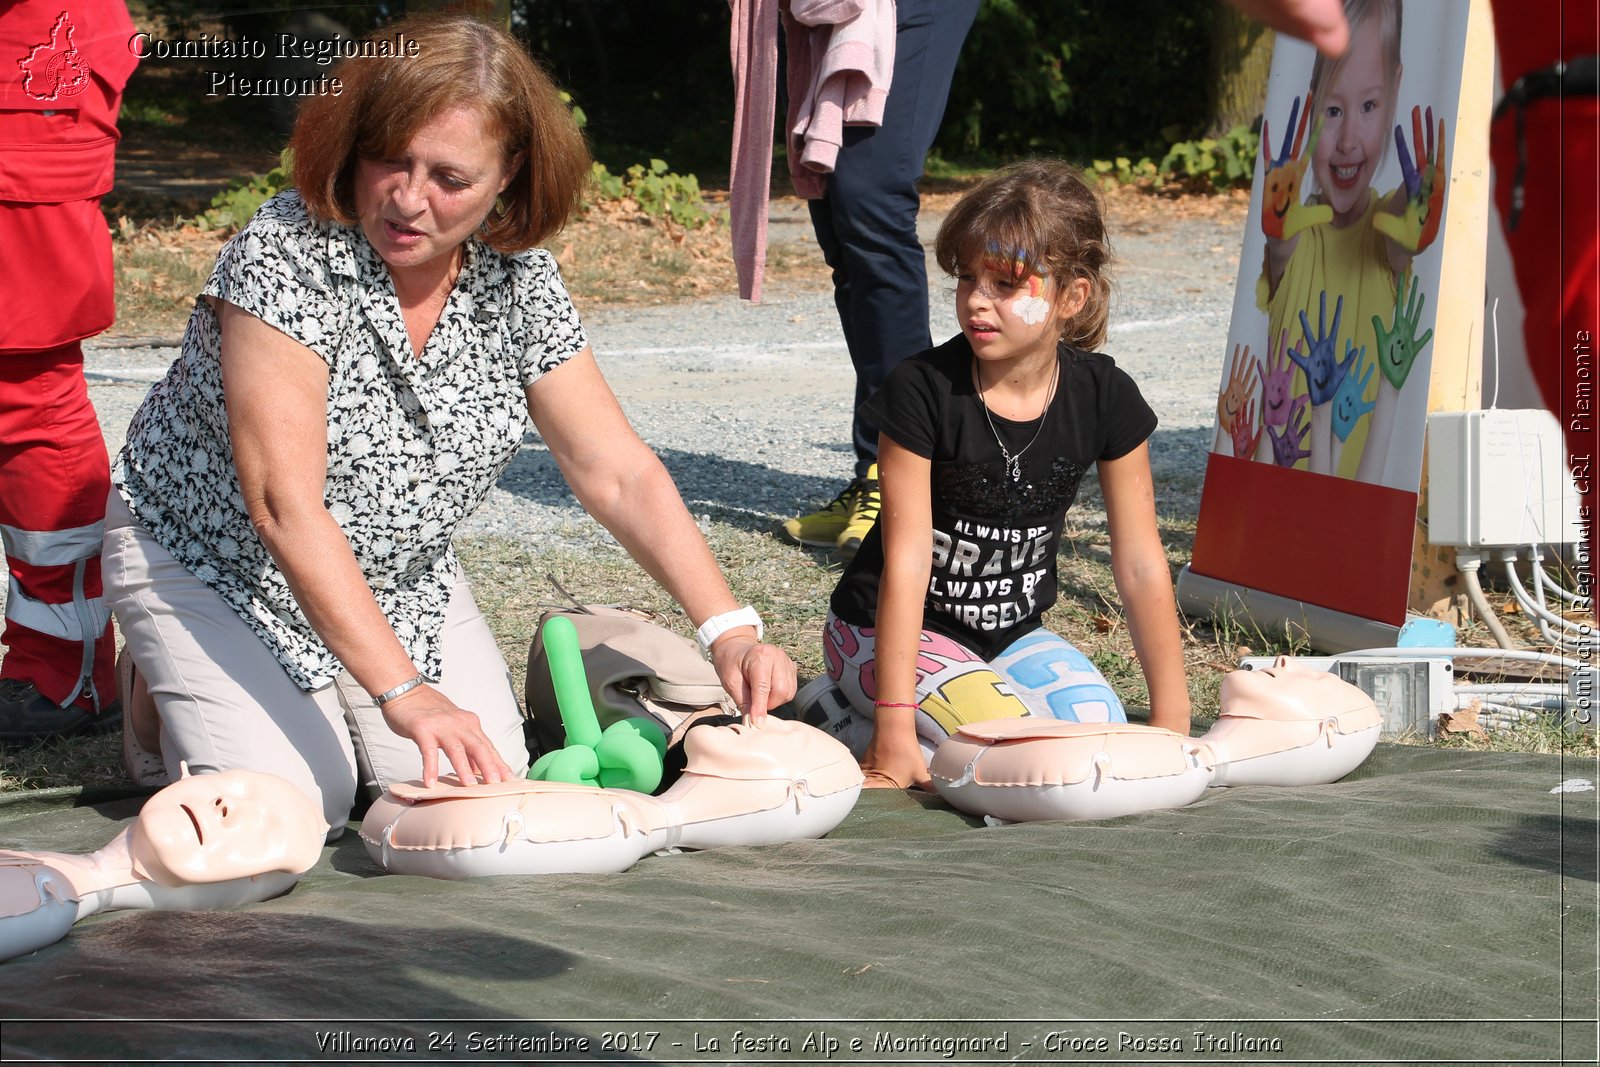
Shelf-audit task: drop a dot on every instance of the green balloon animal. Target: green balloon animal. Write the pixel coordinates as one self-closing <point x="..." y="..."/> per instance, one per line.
<point x="629" y="754"/>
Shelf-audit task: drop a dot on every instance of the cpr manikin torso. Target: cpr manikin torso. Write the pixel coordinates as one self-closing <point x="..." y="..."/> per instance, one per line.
<point x="1280" y="725"/>
<point x="1025" y="769"/>
<point x="205" y="841"/>
<point x="742" y="785"/>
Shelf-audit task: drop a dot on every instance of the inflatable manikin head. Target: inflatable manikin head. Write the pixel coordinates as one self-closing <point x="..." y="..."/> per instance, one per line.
<point x="1287" y="691"/>
<point x="216" y="827"/>
<point x="776" y="749"/>
<point x="1290" y="725"/>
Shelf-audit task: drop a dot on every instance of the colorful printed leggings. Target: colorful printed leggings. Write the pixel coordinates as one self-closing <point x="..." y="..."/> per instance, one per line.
<point x="1040" y="673"/>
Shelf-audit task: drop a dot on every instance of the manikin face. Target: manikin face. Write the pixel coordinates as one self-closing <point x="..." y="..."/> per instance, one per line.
<point x="1005" y="316"/>
<point x="1288" y="691"/>
<point x="1357" y="112"/>
<point x="424" y="203"/>
<point x="216" y="827"/>
<point x="777" y="748"/>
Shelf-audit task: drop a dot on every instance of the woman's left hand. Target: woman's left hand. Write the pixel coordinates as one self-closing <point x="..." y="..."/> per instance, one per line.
<point x="758" y="676"/>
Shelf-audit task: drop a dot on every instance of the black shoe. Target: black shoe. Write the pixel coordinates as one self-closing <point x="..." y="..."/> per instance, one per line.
<point x="26" y="715"/>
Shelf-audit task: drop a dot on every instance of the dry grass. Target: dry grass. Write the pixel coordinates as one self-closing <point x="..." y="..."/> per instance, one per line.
<point x="159" y="270"/>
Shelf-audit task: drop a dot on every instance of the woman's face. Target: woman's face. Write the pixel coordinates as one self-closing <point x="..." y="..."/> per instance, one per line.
<point x="1357" y="111"/>
<point x="426" y="201"/>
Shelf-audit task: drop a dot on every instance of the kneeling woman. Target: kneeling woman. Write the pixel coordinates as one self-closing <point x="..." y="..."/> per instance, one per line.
<point x="357" y="373"/>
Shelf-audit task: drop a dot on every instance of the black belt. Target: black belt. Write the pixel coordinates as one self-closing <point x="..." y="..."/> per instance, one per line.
<point x="1579" y="77"/>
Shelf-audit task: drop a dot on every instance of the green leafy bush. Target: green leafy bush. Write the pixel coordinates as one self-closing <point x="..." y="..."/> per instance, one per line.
<point x="233" y="207"/>
<point x="657" y="190"/>
<point x="1226" y="162"/>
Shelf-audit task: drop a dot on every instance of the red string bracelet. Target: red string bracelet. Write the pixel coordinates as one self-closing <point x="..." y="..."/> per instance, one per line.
<point x="892" y="704"/>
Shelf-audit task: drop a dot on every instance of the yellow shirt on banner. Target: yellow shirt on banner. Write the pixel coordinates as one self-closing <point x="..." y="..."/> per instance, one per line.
<point x="1348" y="261"/>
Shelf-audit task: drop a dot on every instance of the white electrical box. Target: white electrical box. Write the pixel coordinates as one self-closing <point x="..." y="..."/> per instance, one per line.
<point x="1498" y="479"/>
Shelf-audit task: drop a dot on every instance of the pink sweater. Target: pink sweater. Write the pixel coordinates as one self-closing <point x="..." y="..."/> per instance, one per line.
<point x="840" y="57"/>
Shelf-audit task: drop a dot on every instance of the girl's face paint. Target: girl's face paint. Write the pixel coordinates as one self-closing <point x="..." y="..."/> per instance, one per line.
<point x="1030" y="305"/>
<point x="1003" y="312"/>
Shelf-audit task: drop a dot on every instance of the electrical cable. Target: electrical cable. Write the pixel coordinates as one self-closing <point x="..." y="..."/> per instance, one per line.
<point x="1468" y="563"/>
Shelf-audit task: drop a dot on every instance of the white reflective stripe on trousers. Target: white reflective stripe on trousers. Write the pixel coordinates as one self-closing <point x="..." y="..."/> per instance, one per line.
<point x="52" y="548"/>
<point x="85" y="619"/>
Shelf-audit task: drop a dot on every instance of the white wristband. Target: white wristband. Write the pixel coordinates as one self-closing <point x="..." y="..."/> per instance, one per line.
<point x="718" y="625"/>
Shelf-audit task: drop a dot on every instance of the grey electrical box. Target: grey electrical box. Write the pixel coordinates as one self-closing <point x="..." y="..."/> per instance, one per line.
<point x="1400" y="690"/>
<point x="1410" y="693"/>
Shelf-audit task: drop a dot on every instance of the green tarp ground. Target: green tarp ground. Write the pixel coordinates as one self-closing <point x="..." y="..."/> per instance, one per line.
<point x="1435" y="906"/>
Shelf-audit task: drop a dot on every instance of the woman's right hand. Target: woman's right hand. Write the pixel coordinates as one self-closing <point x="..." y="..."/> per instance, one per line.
<point x="432" y="722"/>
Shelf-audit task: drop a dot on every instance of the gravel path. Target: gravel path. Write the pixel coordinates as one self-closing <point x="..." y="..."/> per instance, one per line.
<point x="749" y="404"/>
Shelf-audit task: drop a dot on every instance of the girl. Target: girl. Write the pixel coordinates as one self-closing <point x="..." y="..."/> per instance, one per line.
<point x="983" y="442"/>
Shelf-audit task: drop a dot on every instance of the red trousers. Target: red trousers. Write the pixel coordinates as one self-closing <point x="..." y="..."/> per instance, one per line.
<point x="54" y="478"/>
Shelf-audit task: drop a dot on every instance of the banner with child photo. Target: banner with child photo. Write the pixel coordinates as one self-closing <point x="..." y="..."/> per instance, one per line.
<point x="1311" y="487"/>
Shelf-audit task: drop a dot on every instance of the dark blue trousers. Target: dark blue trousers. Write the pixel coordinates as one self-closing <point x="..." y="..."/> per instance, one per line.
<point x="866" y="224"/>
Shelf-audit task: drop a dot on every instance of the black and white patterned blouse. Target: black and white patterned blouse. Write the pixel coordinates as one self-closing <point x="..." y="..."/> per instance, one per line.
<point x="414" y="444"/>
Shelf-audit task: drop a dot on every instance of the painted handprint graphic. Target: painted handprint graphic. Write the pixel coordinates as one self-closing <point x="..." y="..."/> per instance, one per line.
<point x="1282" y="213"/>
<point x="1277" y="382"/>
<point x="1246" y="432"/>
<point x="1399" y="345"/>
<point x="1350" y="402"/>
<point x="1323" y="369"/>
<point x="1236" y="389"/>
<point x="1286" y="444"/>
<point x="1415" y="228"/>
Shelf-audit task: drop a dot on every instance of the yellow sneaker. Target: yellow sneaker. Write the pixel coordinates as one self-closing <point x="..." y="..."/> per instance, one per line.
<point x="863" y="513"/>
<point x="822" y="529"/>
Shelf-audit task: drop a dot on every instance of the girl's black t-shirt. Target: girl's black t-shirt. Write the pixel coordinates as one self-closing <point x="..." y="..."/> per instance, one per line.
<point x="994" y="539"/>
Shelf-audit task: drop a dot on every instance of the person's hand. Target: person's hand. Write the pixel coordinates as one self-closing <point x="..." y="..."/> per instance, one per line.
<point x="1415" y="227"/>
<point x="1286" y="450"/>
<point x="1282" y="214"/>
<point x="1350" y="402"/>
<point x="895" y="764"/>
<point x="1399" y="345"/>
<point x="1244" y="441"/>
<point x="758" y="676"/>
<point x="1237" y="388"/>
<point x="1322" y="366"/>
<point x="1320" y="22"/>
<point x="429" y="719"/>
<point x="1277" y="383"/>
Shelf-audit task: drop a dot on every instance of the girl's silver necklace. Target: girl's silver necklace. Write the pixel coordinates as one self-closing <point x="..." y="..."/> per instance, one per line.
<point x="1013" y="463"/>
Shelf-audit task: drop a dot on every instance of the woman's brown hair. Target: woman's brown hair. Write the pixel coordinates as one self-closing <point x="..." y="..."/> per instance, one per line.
<point x="1043" y="215"/>
<point x="459" y="61"/>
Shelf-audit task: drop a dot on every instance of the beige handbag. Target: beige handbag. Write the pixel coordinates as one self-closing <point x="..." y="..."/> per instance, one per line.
<point x="636" y="668"/>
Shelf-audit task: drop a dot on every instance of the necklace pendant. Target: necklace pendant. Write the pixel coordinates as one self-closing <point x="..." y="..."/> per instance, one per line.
<point x="1016" y="468"/>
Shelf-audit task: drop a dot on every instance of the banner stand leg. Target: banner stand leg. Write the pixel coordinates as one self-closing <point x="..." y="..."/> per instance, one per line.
<point x="1272" y="615"/>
